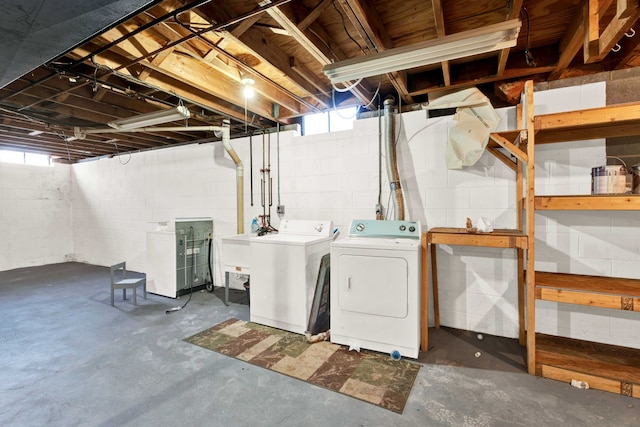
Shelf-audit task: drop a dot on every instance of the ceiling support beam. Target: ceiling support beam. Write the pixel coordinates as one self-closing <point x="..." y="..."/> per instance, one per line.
<point x="367" y="23"/>
<point x="195" y="34"/>
<point x="512" y="73"/>
<point x="503" y="56"/>
<point x="573" y="38"/>
<point x="314" y="14"/>
<point x="438" y="15"/>
<point x="261" y="47"/>
<point x="596" y="45"/>
<point x="218" y="79"/>
<point x="319" y="51"/>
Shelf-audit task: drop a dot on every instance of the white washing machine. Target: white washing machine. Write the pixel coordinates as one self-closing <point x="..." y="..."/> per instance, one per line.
<point x="284" y="271"/>
<point x="376" y="286"/>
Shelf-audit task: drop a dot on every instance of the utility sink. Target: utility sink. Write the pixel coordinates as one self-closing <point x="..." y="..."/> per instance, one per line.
<point x="236" y="253"/>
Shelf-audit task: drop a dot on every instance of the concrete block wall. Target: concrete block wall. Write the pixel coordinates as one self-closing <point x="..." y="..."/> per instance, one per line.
<point x="117" y="200"/>
<point x="477" y="285"/>
<point x="35" y="215"/>
<point x="335" y="176"/>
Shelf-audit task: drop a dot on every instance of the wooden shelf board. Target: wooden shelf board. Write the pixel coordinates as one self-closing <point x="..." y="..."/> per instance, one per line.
<point x="599" y="202"/>
<point x="603" y="122"/>
<point x="615" y="302"/>
<point x="594" y="284"/>
<point x="594" y="381"/>
<point x="589" y="358"/>
<point x="499" y="238"/>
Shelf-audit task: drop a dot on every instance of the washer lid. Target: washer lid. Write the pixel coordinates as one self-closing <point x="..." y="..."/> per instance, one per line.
<point x="289" y="239"/>
<point x="309" y="227"/>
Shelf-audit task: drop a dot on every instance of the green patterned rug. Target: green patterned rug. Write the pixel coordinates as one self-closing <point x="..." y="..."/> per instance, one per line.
<point x="368" y="376"/>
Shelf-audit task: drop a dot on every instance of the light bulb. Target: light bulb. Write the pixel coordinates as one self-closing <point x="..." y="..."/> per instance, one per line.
<point x="248" y="92"/>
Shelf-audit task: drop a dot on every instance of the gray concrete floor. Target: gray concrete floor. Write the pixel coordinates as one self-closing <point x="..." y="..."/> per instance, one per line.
<point x="70" y="359"/>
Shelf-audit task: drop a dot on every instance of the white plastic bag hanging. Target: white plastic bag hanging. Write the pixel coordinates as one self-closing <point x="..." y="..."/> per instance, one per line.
<point x="475" y="120"/>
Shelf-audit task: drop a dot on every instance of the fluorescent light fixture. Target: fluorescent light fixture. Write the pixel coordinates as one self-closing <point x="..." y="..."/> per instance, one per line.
<point x="151" y="119"/>
<point x="458" y="45"/>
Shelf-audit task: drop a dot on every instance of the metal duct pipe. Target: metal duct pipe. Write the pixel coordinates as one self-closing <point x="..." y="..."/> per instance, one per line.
<point x="392" y="161"/>
<point x="226" y="137"/>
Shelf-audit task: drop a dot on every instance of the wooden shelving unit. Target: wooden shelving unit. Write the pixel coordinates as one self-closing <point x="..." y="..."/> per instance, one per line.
<point x="606" y="367"/>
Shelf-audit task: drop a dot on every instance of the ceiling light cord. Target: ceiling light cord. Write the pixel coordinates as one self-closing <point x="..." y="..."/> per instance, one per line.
<point x="120" y="155"/>
<point x="376" y="94"/>
<point x="527" y="54"/>
<point x="344" y="25"/>
<point x="66" y="144"/>
<point x="348" y="88"/>
<point x="333" y="99"/>
<point x="94" y="82"/>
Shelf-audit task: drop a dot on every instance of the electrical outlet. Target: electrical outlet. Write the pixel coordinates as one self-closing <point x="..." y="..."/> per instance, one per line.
<point x="280" y="210"/>
<point x="194" y="251"/>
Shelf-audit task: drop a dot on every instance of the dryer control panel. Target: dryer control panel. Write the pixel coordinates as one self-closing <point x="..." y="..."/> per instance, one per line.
<point x="390" y="229"/>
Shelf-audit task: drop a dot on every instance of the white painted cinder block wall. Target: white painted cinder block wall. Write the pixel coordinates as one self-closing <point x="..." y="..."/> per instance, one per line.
<point x="335" y="176"/>
<point x="35" y="215"/>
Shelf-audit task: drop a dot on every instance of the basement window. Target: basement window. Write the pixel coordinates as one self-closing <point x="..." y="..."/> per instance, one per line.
<point x="329" y="121"/>
<point x="22" y="158"/>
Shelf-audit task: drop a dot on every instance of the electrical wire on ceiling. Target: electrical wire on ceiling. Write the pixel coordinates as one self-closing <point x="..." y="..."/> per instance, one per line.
<point x="348" y="88"/>
<point x="66" y="143"/>
<point x="120" y="89"/>
<point x="232" y="58"/>
<point x="120" y="155"/>
<point x="26" y="116"/>
<point x="94" y="83"/>
<point x="527" y="53"/>
<point x="373" y="98"/>
<point x="138" y="30"/>
<point x="363" y="50"/>
<point x="376" y="94"/>
<point x="140" y="95"/>
<point x="344" y="25"/>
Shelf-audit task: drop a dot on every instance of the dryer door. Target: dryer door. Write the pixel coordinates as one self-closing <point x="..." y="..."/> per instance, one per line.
<point x="375" y="284"/>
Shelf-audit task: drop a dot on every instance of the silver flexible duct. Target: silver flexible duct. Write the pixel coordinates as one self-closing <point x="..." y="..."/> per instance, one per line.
<point x="392" y="161"/>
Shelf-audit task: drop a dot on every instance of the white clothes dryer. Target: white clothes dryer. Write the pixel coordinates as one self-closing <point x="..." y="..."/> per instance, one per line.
<point x="376" y="287"/>
<point x="284" y="271"/>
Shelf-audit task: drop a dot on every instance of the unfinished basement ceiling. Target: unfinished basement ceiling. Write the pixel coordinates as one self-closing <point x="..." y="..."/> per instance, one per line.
<point x="196" y="54"/>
